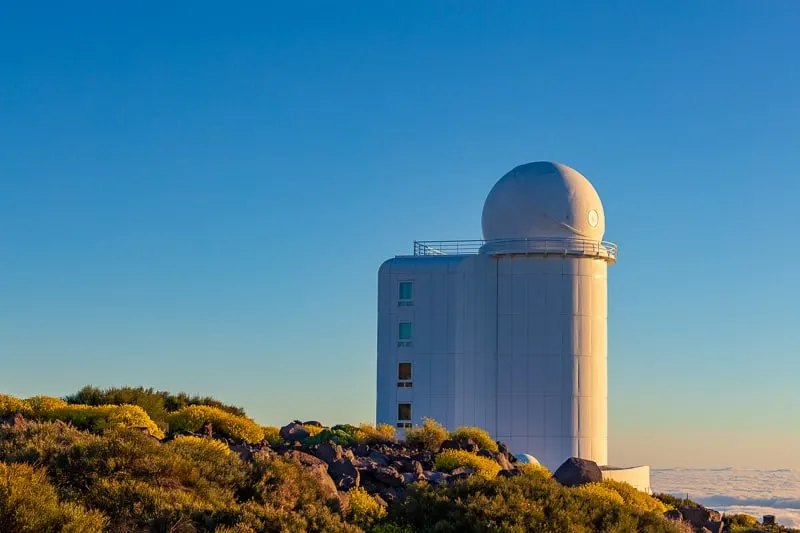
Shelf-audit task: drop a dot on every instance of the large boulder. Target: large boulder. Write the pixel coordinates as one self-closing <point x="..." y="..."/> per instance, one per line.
<point x="294" y="432"/>
<point x="344" y="474"/>
<point x="305" y="459"/>
<point x="329" y="453"/>
<point x="576" y="471"/>
<point x="388" y="476"/>
<point x="435" y="477"/>
<point x="699" y="516"/>
<point x="378" y="458"/>
<point x="460" y="444"/>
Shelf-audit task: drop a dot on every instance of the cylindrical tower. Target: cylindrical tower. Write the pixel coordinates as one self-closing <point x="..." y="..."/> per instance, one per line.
<point x="543" y="223"/>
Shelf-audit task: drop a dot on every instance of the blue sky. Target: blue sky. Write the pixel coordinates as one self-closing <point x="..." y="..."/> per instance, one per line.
<point x="197" y="197"/>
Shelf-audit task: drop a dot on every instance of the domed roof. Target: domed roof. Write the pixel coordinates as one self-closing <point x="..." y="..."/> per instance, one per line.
<point x="543" y="200"/>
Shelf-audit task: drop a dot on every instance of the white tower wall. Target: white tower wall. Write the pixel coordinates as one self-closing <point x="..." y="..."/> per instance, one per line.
<point x="552" y="359"/>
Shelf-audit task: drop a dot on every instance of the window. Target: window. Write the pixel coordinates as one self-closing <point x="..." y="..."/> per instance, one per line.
<point x="404" y="334"/>
<point x="404" y="375"/>
<point x="404" y="415"/>
<point x="406" y="296"/>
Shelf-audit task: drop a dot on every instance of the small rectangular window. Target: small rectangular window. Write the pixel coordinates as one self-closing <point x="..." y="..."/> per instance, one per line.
<point x="404" y="371"/>
<point x="404" y="412"/>
<point x="404" y="375"/>
<point x="404" y="334"/>
<point x="406" y="296"/>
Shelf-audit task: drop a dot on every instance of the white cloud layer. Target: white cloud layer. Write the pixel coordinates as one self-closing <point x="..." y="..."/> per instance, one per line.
<point x="735" y="490"/>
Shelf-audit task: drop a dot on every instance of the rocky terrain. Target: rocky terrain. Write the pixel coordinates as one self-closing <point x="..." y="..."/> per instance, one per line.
<point x="141" y="461"/>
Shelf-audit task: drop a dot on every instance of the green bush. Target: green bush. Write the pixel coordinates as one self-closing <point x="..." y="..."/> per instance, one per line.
<point x="430" y="436"/>
<point x="674" y="502"/>
<point x="283" y="496"/>
<point x="516" y="505"/>
<point x="479" y="436"/>
<point x="448" y="460"/>
<point x="193" y="418"/>
<point x="337" y="436"/>
<point x="29" y="504"/>
<point x="157" y="404"/>
<point x="213" y="459"/>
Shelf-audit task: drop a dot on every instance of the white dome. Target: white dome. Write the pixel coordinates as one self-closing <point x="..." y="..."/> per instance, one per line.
<point x="526" y="459"/>
<point x="543" y="200"/>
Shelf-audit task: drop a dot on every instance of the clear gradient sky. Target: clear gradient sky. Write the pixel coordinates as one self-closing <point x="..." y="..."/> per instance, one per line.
<point x="197" y="197"/>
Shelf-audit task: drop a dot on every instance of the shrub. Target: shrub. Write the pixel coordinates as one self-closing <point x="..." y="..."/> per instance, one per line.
<point x="156" y="403"/>
<point x="41" y="405"/>
<point x="516" y="505"/>
<point x="101" y="417"/>
<point x="29" y="504"/>
<point x="132" y="416"/>
<point x="451" y="459"/>
<point x="672" y="501"/>
<point x="638" y="499"/>
<point x="534" y="469"/>
<point x="381" y="433"/>
<point x="272" y="435"/>
<point x="213" y="459"/>
<point x="313" y="430"/>
<point x="599" y="491"/>
<point x="9" y="405"/>
<point x="479" y="436"/>
<point x="740" y="521"/>
<point x="364" y="509"/>
<point x="284" y="496"/>
<point x="40" y="443"/>
<point x="338" y="436"/>
<point x="193" y="418"/>
<point x="430" y="436"/>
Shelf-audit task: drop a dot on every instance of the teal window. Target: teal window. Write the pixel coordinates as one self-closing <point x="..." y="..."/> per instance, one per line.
<point x="406" y="294"/>
<point x="404" y="334"/>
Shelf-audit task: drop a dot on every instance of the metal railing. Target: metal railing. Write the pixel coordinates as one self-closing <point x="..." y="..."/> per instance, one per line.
<point x="580" y="247"/>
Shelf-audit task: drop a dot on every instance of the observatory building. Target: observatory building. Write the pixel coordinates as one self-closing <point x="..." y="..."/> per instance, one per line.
<point x="508" y="333"/>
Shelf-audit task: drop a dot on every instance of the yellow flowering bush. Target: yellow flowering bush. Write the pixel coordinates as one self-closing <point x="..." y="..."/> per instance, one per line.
<point x="197" y="447"/>
<point x="600" y="491"/>
<point x="480" y="436"/>
<point x="451" y="459"/>
<point x="364" y="509"/>
<point x="129" y="416"/>
<point x="313" y="430"/>
<point x="193" y="417"/>
<point x="379" y="433"/>
<point x="430" y="436"/>
<point x="100" y="417"/>
<point x="29" y="504"/>
<point x="42" y="405"/>
<point x="534" y="469"/>
<point x="10" y="405"/>
<point x="633" y="496"/>
<point x="272" y="435"/>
